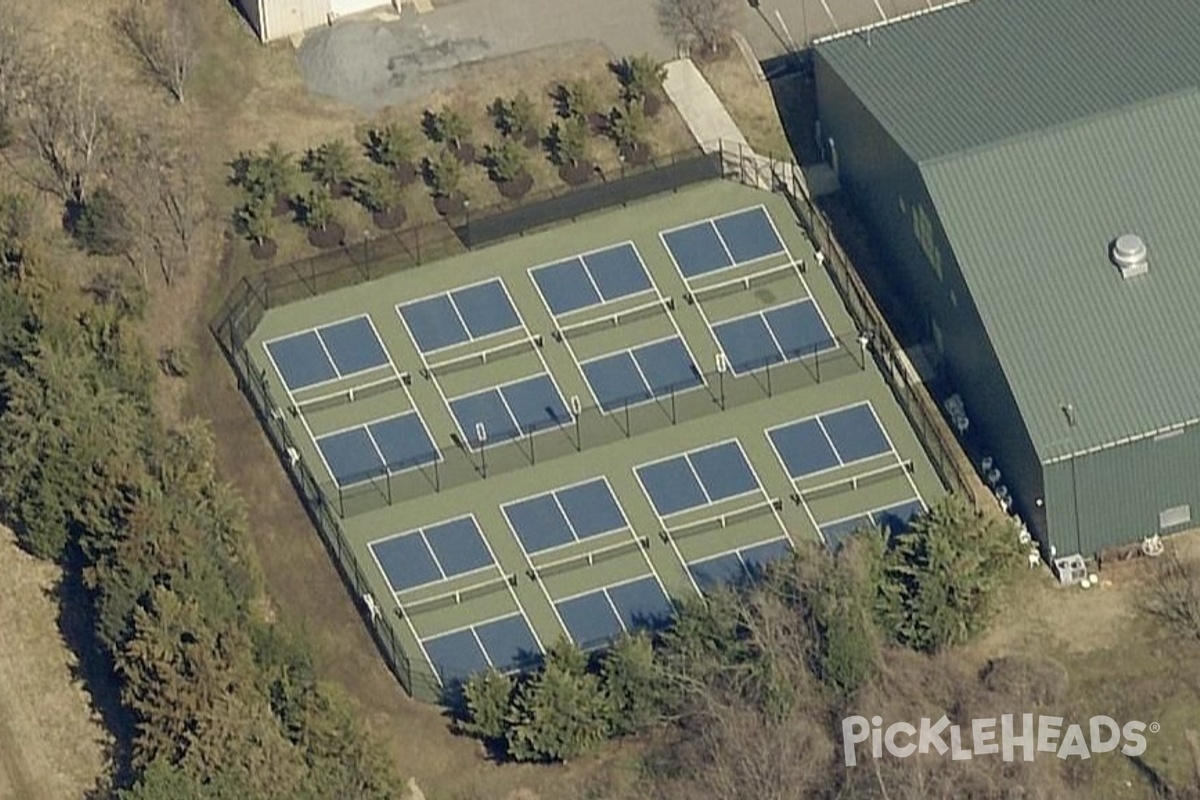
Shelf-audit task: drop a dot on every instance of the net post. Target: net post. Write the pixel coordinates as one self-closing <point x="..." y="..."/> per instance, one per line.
<point x="673" y="416"/>
<point x="389" y="485"/>
<point x="770" y="393"/>
<point x="817" y="359"/>
<point x="341" y="501"/>
<point x="628" y="432"/>
<point x="437" y="475"/>
<point x="576" y="412"/>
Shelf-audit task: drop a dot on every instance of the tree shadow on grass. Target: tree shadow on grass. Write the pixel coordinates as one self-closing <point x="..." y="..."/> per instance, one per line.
<point x="94" y="670"/>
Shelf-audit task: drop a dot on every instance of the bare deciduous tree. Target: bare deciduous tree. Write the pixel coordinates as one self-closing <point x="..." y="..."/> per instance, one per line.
<point x="706" y="23"/>
<point x="163" y="39"/>
<point x="71" y="131"/>
<point x="164" y="199"/>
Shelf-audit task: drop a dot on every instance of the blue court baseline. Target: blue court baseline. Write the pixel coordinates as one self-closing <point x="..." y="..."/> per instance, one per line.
<point x="596" y="618"/>
<point x="826" y="441"/>
<point x="723" y="242"/>
<point x="565" y="515"/>
<point x="507" y="644"/>
<point x="738" y="565"/>
<point x="636" y="375"/>
<point x="590" y="279"/>
<point x="431" y="554"/>
<point x="774" y="335"/>
<point x="697" y="478"/>
<point x="459" y="315"/>
<point x="510" y="411"/>
<point x="327" y="353"/>
<point x="895" y="518"/>
<point x="382" y="447"/>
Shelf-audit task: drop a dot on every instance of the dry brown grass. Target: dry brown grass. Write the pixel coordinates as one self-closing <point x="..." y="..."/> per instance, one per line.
<point x="749" y="102"/>
<point x="52" y="744"/>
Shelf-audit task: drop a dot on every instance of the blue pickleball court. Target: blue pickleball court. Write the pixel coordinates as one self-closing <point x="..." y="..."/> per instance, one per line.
<point x="697" y="478"/>
<point x="565" y="515"/>
<point x="639" y="374"/>
<point x="731" y="240"/>
<point x="327" y="353"/>
<point x="834" y="439"/>
<point x="589" y="279"/>
<point x="596" y="618"/>
<point x="374" y="449"/>
<point x="772" y="336"/>
<point x="737" y="566"/>
<point x="434" y="553"/>
<point x="510" y="411"/>
<point x="506" y="644"/>
<point x="895" y="519"/>
<point x="460" y="315"/>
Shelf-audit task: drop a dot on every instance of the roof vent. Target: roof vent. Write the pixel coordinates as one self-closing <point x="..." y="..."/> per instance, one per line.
<point x="1129" y="254"/>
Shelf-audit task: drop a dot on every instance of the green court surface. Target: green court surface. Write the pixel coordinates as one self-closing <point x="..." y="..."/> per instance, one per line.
<point x="691" y="343"/>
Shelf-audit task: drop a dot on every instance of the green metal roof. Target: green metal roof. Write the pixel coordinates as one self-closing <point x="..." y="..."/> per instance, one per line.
<point x="1035" y="163"/>
<point x="967" y="75"/>
<point x="1031" y="221"/>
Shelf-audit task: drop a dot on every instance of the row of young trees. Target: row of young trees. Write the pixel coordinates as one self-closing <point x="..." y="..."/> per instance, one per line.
<point x="271" y="179"/>
<point x="226" y="704"/>
<point x="813" y="628"/>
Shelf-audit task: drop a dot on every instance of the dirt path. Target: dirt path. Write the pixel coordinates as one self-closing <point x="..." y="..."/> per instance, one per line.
<point x="51" y="745"/>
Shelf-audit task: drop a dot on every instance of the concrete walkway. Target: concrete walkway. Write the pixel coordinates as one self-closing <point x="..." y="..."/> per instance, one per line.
<point x="700" y="107"/>
<point x="714" y="130"/>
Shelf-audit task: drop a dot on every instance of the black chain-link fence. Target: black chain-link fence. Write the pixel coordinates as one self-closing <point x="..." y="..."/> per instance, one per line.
<point x="785" y="177"/>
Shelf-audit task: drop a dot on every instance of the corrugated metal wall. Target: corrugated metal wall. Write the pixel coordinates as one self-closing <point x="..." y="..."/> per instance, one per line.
<point x="1120" y="492"/>
<point x="286" y="18"/>
<point x="890" y="194"/>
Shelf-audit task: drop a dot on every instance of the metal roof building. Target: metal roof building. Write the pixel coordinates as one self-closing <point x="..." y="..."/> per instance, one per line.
<point x="281" y="19"/>
<point x="998" y="149"/>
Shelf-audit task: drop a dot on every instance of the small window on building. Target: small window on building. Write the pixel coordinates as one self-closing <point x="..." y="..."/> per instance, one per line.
<point x="1174" y="517"/>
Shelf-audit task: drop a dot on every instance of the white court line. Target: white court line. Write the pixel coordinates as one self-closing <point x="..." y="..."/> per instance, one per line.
<point x="736" y="551"/>
<point x="830" y="13"/>
<point x="291" y="397"/>
<point x="787" y="473"/>
<point x="882" y="16"/>
<point x="397" y="592"/>
<point x="891" y="446"/>
<point x="615" y="610"/>
<point x="803" y="280"/>
<point x="479" y="642"/>
<point x="436" y="561"/>
<point x="316" y="331"/>
<point x="533" y="573"/>
<point x="829" y="440"/>
<point x="555" y="493"/>
<point x="872" y="512"/>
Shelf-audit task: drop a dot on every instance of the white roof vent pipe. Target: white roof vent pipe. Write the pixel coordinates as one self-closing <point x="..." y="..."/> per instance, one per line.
<point x="1129" y="254"/>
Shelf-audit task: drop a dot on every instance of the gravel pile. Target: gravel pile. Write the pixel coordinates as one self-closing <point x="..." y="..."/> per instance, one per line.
<point x="371" y="64"/>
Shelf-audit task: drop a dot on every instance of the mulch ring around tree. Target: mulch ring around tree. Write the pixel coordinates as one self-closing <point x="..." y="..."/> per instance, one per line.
<point x="405" y="173"/>
<point x="283" y="207"/>
<point x="263" y="250"/>
<point x="651" y="104"/>
<point x="531" y="139"/>
<point x="391" y="219"/>
<point x="450" y="205"/>
<point x="331" y="236"/>
<point x="635" y="156"/>
<point x="576" y="174"/>
<point x="516" y="188"/>
<point x="465" y="152"/>
<point x="597" y="123"/>
<point x="341" y="189"/>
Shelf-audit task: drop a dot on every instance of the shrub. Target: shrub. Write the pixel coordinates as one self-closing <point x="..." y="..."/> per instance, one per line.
<point x="450" y="127"/>
<point x="633" y="685"/>
<point x="445" y="173"/>
<point x="379" y="192"/>
<point x="388" y="145"/>
<point x="487" y="698"/>
<point x="569" y="141"/>
<point x="255" y="221"/>
<point x="640" y="76"/>
<point x="628" y="125"/>
<point x="577" y="99"/>
<point x="102" y="225"/>
<point x="329" y="164"/>
<point x="268" y="175"/>
<point x="506" y="161"/>
<point x="514" y="117"/>
<point x="558" y="713"/>
<point x="316" y="208"/>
